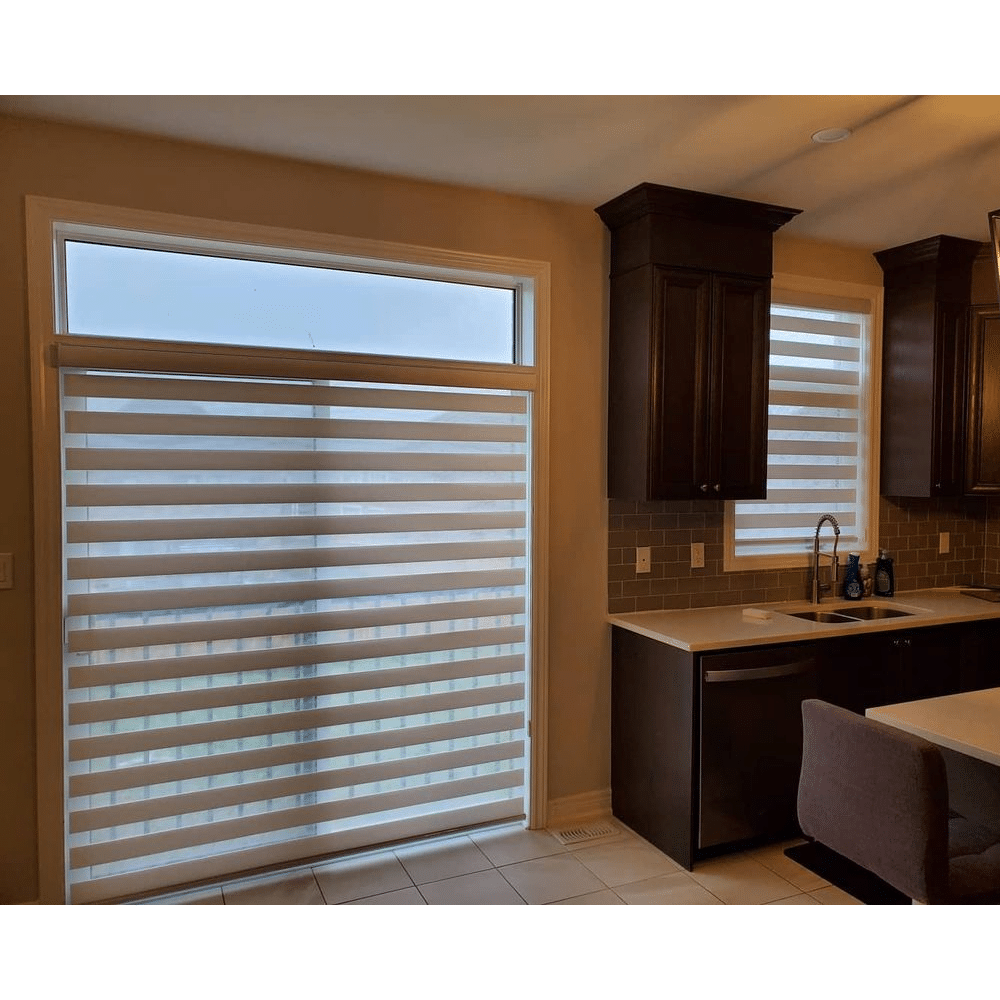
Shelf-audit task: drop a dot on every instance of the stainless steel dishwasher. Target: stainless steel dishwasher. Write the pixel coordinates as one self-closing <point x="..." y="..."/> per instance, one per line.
<point x="750" y="739"/>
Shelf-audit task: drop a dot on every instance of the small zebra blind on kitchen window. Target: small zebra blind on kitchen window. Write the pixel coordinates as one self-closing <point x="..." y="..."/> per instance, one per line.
<point x="296" y="619"/>
<point x="817" y="440"/>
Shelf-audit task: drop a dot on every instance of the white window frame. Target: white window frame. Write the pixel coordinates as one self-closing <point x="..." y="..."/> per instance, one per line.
<point x="50" y="220"/>
<point x="870" y="392"/>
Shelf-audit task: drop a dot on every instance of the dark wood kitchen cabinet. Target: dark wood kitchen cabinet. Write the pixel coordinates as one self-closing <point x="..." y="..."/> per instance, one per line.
<point x="706" y="747"/>
<point x="863" y="671"/>
<point x="688" y="351"/>
<point x="925" y="366"/>
<point x="982" y="465"/>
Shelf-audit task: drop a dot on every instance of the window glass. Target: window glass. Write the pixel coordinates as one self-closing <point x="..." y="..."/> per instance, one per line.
<point x="145" y="294"/>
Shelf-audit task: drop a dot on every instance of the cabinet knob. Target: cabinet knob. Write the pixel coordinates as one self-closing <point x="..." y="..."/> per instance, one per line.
<point x="717" y="487"/>
<point x="937" y="486"/>
<point x="704" y="487"/>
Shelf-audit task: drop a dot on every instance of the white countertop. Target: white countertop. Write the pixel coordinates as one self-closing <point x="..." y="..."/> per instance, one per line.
<point x="967" y="722"/>
<point x="701" y="629"/>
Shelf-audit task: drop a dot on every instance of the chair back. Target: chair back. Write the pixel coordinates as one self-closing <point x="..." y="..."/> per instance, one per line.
<point x="876" y="795"/>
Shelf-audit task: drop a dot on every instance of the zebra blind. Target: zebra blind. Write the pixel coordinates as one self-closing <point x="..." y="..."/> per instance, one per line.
<point x="296" y="620"/>
<point x="816" y="433"/>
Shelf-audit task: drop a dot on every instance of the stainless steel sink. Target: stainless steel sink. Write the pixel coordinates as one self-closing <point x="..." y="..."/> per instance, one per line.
<point x="873" y="613"/>
<point x="827" y="617"/>
<point x="846" y="616"/>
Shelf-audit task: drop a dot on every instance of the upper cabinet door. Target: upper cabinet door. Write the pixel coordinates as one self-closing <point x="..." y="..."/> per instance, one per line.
<point x="982" y="470"/>
<point x="680" y="389"/>
<point x="951" y="379"/>
<point x="737" y="412"/>
<point x="924" y="365"/>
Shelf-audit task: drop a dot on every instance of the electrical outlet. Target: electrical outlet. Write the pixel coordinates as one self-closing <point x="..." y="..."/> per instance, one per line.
<point x="6" y="570"/>
<point x="642" y="559"/>
<point x="944" y="542"/>
<point x="697" y="555"/>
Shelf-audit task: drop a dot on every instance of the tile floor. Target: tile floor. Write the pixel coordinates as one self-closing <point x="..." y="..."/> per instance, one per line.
<point x="512" y="865"/>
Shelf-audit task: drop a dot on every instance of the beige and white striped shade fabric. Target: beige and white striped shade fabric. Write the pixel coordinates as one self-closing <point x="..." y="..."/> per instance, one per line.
<point x="816" y="436"/>
<point x="296" y="620"/>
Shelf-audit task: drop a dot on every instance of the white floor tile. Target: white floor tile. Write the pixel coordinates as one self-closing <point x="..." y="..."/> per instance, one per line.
<point x="791" y="871"/>
<point x="626" y="860"/>
<point x="355" y="878"/>
<point x="544" y="880"/>
<point x="401" y="897"/>
<point x="197" y="896"/>
<point x="433" y="862"/>
<point x="487" y="888"/>
<point x="277" y="890"/>
<point x="741" y="880"/>
<point x="535" y="868"/>
<point x="603" y="898"/>
<point x="678" y="889"/>
<point x="830" y="894"/>
<point x="509" y="846"/>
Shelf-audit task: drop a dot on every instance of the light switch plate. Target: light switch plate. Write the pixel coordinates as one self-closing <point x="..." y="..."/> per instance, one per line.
<point x="643" y="556"/>
<point x="944" y="542"/>
<point x="697" y="555"/>
<point x="6" y="570"/>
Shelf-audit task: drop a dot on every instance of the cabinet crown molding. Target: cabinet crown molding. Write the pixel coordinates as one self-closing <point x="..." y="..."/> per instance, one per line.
<point x="945" y="251"/>
<point x="659" y="199"/>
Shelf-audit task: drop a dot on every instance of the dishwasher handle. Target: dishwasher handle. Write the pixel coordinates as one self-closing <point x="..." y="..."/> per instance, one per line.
<point x="759" y="673"/>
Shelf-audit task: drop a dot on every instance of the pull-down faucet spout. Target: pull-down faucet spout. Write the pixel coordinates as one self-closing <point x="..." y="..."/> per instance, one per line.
<point x="816" y="585"/>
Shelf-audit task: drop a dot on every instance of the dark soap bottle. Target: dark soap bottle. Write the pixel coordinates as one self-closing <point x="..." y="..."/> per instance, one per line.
<point x="853" y="587"/>
<point x="885" y="584"/>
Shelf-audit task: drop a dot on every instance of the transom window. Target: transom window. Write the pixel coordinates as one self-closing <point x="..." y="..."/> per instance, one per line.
<point x="199" y="292"/>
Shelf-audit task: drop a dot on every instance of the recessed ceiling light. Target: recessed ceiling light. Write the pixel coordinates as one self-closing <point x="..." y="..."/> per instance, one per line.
<point x="831" y="135"/>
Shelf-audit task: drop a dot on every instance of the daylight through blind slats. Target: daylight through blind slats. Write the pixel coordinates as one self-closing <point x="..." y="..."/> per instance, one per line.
<point x="815" y="429"/>
<point x="297" y="619"/>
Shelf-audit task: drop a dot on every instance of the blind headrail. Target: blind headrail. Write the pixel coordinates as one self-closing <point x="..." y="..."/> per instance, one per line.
<point x="114" y="354"/>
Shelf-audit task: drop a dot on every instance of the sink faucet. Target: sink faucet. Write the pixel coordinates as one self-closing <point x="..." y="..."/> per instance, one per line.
<point x="816" y="585"/>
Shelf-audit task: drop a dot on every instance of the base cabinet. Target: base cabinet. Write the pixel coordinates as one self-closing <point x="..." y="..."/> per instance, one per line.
<point x="706" y="748"/>
<point x="864" y="671"/>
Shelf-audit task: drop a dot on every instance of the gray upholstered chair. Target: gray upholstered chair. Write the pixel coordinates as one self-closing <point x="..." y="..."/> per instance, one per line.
<point x="879" y="797"/>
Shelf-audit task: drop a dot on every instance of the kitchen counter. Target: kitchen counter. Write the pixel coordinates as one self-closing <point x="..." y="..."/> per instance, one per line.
<point x="700" y="629"/>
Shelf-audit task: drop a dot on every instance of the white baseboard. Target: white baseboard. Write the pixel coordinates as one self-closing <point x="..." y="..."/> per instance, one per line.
<point x="576" y="808"/>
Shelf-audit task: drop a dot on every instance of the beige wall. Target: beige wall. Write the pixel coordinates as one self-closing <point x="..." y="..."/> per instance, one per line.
<point x="110" y="168"/>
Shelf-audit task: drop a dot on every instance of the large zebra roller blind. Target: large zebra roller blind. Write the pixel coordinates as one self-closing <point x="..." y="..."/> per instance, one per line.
<point x="296" y="619"/>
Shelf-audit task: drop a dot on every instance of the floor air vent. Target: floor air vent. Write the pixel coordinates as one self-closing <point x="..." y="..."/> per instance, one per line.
<point x="589" y="831"/>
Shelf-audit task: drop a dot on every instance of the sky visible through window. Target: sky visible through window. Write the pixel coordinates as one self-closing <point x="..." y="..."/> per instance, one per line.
<point x="116" y="291"/>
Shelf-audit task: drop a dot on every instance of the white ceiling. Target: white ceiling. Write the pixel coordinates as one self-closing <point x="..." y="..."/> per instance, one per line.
<point x="914" y="166"/>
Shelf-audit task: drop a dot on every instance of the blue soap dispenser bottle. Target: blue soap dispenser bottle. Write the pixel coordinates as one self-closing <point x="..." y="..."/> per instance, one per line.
<point x="853" y="586"/>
